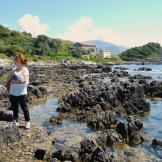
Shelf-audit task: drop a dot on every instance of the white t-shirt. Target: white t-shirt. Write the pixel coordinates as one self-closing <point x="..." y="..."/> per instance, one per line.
<point x="19" y="89"/>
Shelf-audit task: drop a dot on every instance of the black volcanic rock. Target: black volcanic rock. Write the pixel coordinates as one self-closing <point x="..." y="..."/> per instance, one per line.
<point x="144" y="69"/>
<point x="157" y="142"/>
<point x="90" y="151"/>
<point x="130" y="132"/>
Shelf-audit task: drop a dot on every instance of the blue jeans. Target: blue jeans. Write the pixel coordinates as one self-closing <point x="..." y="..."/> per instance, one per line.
<point x="23" y="102"/>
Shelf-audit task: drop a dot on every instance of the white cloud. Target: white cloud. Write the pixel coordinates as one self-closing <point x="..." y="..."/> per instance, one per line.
<point x="32" y="25"/>
<point x="84" y="29"/>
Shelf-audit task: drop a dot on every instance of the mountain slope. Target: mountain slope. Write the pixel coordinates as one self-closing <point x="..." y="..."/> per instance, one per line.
<point x="113" y="48"/>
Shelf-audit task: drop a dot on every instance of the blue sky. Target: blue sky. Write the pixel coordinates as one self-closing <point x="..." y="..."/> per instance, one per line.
<point x="126" y="22"/>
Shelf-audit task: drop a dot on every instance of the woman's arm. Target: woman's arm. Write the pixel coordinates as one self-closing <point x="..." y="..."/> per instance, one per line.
<point x="24" y="81"/>
<point x="25" y="78"/>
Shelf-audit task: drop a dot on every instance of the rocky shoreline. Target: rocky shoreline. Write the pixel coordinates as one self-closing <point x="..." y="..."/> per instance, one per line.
<point x="84" y="97"/>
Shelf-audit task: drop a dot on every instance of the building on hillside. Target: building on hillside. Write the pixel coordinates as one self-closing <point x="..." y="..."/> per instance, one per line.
<point x="104" y="53"/>
<point x="90" y="49"/>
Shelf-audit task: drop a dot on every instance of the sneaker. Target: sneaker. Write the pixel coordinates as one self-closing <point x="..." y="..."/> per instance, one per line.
<point x="27" y="126"/>
<point x="15" y="124"/>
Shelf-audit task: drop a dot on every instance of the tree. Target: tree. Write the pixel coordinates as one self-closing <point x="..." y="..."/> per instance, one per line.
<point x="42" y="49"/>
<point x="77" y="52"/>
<point x="55" y="45"/>
<point x="13" y="50"/>
<point x="46" y="46"/>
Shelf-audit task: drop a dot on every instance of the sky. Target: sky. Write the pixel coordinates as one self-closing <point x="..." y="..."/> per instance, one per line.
<point x="124" y="22"/>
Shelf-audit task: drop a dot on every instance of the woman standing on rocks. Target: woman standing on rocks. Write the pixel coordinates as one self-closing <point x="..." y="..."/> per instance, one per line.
<point x="19" y="80"/>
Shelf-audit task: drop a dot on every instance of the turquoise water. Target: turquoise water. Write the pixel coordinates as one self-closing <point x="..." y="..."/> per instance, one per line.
<point x="153" y="122"/>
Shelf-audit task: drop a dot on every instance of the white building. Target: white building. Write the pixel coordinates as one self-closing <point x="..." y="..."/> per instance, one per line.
<point x="88" y="47"/>
<point x="105" y="53"/>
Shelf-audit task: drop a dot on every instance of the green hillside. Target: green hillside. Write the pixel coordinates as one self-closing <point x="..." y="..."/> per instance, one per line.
<point x="13" y="42"/>
<point x="150" y="50"/>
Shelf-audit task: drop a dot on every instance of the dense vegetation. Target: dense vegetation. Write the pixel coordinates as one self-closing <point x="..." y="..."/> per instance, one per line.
<point x="40" y="48"/>
<point x="150" y="50"/>
<point x="13" y="42"/>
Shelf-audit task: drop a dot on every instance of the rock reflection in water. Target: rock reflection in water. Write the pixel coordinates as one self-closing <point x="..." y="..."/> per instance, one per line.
<point x="42" y="112"/>
<point x="70" y="134"/>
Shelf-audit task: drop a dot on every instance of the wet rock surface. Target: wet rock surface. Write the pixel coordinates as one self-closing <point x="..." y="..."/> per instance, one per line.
<point x="109" y="138"/>
<point x="5" y="115"/>
<point x="157" y="142"/>
<point x="91" y="151"/>
<point x="153" y="89"/>
<point x="138" y="76"/>
<point x="121" y="68"/>
<point x="94" y="100"/>
<point x="66" y="155"/>
<point x="144" y="69"/>
<point x="121" y="73"/>
<point x="130" y="132"/>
